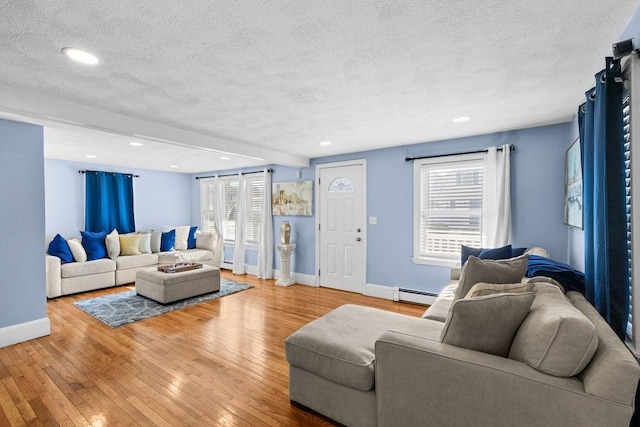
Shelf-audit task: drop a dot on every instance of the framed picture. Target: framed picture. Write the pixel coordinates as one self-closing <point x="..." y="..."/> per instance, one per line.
<point x="292" y="198"/>
<point x="573" y="186"/>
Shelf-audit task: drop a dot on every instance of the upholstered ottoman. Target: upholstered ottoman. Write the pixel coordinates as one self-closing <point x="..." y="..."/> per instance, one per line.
<point x="332" y="360"/>
<point x="170" y="287"/>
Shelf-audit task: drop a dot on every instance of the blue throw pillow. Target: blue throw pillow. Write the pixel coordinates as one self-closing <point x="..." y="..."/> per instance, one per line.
<point x="60" y="248"/>
<point x="168" y="241"/>
<point x="503" y="252"/>
<point x="93" y="244"/>
<point x="191" y="240"/>
<point x="517" y="252"/>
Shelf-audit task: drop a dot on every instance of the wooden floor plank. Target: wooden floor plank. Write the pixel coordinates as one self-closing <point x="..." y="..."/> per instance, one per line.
<point x="218" y="363"/>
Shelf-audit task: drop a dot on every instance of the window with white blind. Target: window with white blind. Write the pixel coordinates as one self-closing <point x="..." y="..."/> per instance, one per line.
<point x="253" y="213"/>
<point x="631" y="128"/>
<point x="447" y="207"/>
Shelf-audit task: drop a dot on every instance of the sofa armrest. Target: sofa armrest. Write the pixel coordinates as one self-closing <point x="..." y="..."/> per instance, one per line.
<point x="53" y="276"/>
<point x="455" y="272"/>
<point x="421" y="381"/>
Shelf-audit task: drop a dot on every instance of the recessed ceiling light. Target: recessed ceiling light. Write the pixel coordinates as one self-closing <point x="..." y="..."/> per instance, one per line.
<point x="91" y="156"/>
<point x="224" y="158"/>
<point x="80" y="56"/>
<point x="325" y="143"/>
<point x="173" y="166"/>
<point x="136" y="144"/>
<point x="462" y="119"/>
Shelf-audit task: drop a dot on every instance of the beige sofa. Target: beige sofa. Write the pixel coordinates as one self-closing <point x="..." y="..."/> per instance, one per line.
<point x="362" y="366"/>
<point x="74" y="277"/>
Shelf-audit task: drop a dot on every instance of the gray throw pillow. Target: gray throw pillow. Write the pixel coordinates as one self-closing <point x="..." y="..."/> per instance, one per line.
<point x="483" y="289"/>
<point x="502" y="271"/>
<point x="487" y="324"/>
<point x="556" y="338"/>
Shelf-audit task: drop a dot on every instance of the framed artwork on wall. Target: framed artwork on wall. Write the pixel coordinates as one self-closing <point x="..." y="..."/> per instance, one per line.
<point x="573" y="186"/>
<point x="292" y="198"/>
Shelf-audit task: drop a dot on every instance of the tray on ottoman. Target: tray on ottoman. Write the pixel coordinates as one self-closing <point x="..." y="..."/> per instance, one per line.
<point x="170" y="287"/>
<point x="178" y="267"/>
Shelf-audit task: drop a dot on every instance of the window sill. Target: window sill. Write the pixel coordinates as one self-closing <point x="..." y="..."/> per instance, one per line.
<point x="435" y="261"/>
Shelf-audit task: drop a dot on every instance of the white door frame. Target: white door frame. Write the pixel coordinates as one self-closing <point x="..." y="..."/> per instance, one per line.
<point x="356" y="162"/>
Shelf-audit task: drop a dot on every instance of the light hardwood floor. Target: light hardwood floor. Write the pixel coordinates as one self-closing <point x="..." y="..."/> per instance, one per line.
<point x="217" y="363"/>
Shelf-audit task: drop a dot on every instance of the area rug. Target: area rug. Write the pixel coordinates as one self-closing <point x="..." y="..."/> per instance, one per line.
<point x="128" y="307"/>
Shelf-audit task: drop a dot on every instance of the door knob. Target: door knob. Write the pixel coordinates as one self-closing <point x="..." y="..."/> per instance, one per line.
<point x="358" y="239"/>
<point x="358" y="230"/>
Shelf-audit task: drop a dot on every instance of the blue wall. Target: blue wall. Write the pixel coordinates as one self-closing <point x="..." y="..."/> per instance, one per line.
<point x="632" y="31"/>
<point x="537" y="191"/>
<point x="160" y="198"/>
<point x="22" y="282"/>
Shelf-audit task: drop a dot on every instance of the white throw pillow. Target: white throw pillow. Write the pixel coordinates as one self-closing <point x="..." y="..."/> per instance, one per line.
<point x="206" y="240"/>
<point x="79" y="254"/>
<point x="145" y="243"/>
<point x="182" y="235"/>
<point x="112" y="241"/>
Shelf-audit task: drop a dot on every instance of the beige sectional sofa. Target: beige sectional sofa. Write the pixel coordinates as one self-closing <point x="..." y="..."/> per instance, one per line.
<point x="74" y="277"/>
<point x="564" y="366"/>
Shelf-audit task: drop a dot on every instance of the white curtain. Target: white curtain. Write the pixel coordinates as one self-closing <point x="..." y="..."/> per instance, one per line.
<point x="265" y="249"/>
<point x="218" y="213"/>
<point x="239" y="247"/>
<point x="496" y="198"/>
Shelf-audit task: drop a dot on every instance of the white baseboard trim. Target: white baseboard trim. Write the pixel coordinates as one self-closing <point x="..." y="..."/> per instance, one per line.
<point x="300" y="278"/>
<point x="26" y="331"/>
<point x="394" y="294"/>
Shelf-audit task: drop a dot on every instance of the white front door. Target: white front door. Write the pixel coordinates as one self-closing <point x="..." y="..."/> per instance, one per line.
<point x="341" y="236"/>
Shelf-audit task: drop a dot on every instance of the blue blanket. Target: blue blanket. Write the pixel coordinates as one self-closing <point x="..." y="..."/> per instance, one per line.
<point x="567" y="276"/>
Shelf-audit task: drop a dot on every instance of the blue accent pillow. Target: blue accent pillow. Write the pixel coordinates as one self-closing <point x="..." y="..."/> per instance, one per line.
<point x="191" y="240"/>
<point x="503" y="252"/>
<point x="60" y="248"/>
<point x="517" y="252"/>
<point x="570" y="278"/>
<point x="168" y="241"/>
<point x="93" y="244"/>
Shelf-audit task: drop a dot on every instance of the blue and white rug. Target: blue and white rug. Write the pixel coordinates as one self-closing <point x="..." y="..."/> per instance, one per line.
<point x="128" y="307"/>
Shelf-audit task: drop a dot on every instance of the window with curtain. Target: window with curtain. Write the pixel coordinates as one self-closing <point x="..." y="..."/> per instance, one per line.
<point x="109" y="202"/>
<point x="631" y="125"/>
<point x="255" y="192"/>
<point x="207" y="216"/>
<point x="448" y="206"/>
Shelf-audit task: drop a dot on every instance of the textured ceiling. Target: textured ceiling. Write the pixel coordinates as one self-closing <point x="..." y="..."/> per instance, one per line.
<point x="281" y="76"/>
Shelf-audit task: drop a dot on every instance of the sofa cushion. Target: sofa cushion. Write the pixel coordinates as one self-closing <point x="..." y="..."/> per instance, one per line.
<point x="79" y="255"/>
<point x="93" y="243"/>
<point x="182" y="236"/>
<point x="75" y="269"/>
<point x="206" y="240"/>
<point x="135" y="261"/>
<point x="340" y="346"/>
<point x="145" y="243"/>
<point x="483" y="289"/>
<point x="486" y="323"/>
<point x="555" y="338"/>
<point x="168" y="241"/>
<point x="60" y="248"/>
<point x="156" y="239"/>
<point x="112" y="242"/>
<point x="191" y="239"/>
<point x="195" y="255"/>
<point x="477" y="270"/>
<point x="130" y="244"/>
<point x="440" y="308"/>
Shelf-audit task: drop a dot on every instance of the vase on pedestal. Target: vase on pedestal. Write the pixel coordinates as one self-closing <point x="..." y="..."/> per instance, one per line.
<point x="285" y="233"/>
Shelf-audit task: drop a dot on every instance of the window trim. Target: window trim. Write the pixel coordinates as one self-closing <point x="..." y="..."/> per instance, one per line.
<point x="631" y="69"/>
<point x="204" y="182"/>
<point x="417" y="165"/>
